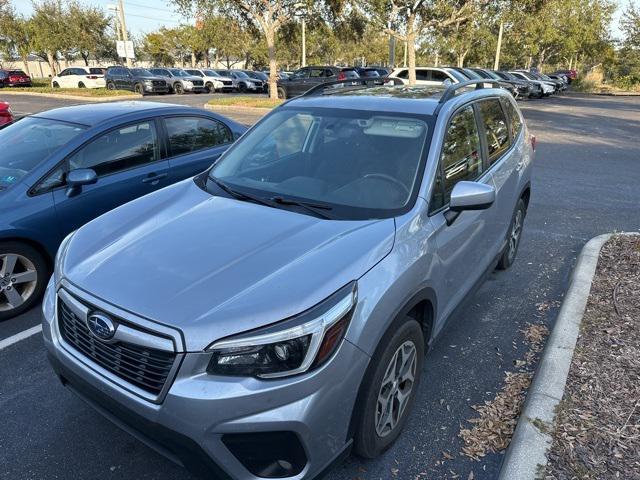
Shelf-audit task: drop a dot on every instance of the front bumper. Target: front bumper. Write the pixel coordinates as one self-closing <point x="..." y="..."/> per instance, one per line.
<point x="189" y="422"/>
<point x="194" y="88"/>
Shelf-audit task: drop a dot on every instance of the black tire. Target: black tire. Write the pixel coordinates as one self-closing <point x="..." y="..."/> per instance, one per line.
<point x="178" y="88"/>
<point x="111" y="86"/>
<point x="368" y="442"/>
<point x="511" y="248"/>
<point x="139" y="89"/>
<point x="209" y="87"/>
<point x="33" y="291"/>
<point x="81" y="85"/>
<point x="55" y="85"/>
<point x="282" y="93"/>
<point x="242" y="87"/>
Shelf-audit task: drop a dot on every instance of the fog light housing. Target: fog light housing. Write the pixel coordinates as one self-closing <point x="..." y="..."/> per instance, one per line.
<point x="268" y="454"/>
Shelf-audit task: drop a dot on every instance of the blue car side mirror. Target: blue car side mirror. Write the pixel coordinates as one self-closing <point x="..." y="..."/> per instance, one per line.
<point x="76" y="179"/>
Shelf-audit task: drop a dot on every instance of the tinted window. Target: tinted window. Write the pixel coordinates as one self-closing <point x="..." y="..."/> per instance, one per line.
<point x="302" y="73"/>
<point x="403" y="74"/>
<point x="118" y="150"/>
<point x="438" y="76"/>
<point x="190" y="134"/>
<point x="422" y="74"/>
<point x="496" y="129"/>
<point x="461" y="158"/>
<point x="317" y="72"/>
<point x="28" y="142"/>
<point x="515" y="122"/>
<point x="96" y="71"/>
<point x="64" y="73"/>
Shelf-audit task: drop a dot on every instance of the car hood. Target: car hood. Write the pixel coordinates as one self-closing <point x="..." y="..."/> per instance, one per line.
<point x="152" y="77"/>
<point x="213" y="266"/>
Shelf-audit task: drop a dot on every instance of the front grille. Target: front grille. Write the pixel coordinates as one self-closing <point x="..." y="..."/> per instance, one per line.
<point x="227" y="82"/>
<point x="159" y="83"/>
<point x="143" y="367"/>
<point x="198" y="83"/>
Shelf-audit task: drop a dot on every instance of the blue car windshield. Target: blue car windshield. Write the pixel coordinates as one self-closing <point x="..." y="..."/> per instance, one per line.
<point x="362" y="164"/>
<point x="28" y="142"/>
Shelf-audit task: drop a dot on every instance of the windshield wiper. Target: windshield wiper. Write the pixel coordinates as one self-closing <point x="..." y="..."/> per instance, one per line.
<point x="315" y="208"/>
<point x="240" y="195"/>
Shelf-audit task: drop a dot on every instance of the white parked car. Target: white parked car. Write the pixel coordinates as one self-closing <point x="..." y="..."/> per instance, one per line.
<point x="213" y="81"/>
<point x="80" y="77"/>
<point x="433" y="76"/>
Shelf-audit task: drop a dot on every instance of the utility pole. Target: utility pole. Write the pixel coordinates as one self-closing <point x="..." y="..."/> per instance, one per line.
<point x="392" y="48"/>
<point x="405" y="55"/>
<point x="304" y="41"/>
<point x="123" y="26"/>
<point x="496" y="64"/>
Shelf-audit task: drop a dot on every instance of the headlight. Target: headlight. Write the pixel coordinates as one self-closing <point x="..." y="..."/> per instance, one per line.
<point x="293" y="346"/>
<point x="62" y="252"/>
<point x="188" y="83"/>
<point x="148" y="82"/>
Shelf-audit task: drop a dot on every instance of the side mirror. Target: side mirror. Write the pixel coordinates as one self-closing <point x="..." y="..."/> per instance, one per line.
<point x="76" y="179"/>
<point x="469" y="196"/>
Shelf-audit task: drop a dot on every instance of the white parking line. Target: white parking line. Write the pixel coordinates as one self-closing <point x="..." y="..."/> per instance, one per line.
<point x="7" y="342"/>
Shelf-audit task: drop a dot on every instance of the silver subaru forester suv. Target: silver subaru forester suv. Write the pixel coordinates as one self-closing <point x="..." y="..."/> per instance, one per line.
<point x="265" y="317"/>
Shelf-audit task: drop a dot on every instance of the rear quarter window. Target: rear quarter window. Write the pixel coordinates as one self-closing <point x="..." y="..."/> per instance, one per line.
<point x="496" y="128"/>
<point x="515" y="120"/>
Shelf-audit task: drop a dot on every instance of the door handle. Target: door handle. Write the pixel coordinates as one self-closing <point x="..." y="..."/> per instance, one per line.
<point x="152" y="178"/>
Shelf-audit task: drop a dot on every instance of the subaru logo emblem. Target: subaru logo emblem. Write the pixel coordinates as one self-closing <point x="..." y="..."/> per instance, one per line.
<point x="101" y="326"/>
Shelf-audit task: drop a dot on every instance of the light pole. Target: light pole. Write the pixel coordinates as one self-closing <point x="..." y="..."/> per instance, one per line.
<point x="496" y="63"/>
<point x="121" y="26"/>
<point x="301" y="11"/>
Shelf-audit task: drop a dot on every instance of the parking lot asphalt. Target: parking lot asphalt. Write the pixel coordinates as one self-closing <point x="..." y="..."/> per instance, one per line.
<point x="585" y="183"/>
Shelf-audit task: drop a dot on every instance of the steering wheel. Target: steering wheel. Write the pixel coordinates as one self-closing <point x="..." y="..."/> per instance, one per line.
<point x="390" y="179"/>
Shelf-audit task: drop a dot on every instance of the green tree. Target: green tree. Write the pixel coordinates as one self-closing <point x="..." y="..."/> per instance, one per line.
<point x="88" y="29"/>
<point x="49" y="31"/>
<point x="15" y="35"/>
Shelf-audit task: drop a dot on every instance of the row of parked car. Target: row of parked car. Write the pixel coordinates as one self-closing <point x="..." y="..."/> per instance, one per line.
<point x="521" y="83"/>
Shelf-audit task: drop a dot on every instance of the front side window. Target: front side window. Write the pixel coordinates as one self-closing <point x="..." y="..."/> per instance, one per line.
<point x="496" y="129"/>
<point x="403" y="74"/>
<point x="29" y="141"/>
<point x="190" y="134"/>
<point x="121" y="149"/>
<point x="461" y="158"/>
<point x="364" y="164"/>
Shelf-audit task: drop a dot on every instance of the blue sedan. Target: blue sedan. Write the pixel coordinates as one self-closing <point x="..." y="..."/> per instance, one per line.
<point x="61" y="168"/>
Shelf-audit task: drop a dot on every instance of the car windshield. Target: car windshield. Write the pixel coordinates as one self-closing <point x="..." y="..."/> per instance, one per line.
<point x="241" y="74"/>
<point x="178" y="72"/>
<point x="211" y="73"/>
<point x="141" y="72"/>
<point x="358" y="164"/>
<point x="29" y="141"/>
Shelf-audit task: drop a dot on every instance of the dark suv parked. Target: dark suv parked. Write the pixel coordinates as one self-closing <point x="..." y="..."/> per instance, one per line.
<point x="303" y="79"/>
<point x="138" y="80"/>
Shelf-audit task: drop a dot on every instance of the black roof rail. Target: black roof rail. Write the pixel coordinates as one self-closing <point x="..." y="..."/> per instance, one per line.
<point x="450" y="92"/>
<point x="353" y="82"/>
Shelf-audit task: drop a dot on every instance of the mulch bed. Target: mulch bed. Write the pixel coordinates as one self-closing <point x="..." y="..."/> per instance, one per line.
<point x="597" y="430"/>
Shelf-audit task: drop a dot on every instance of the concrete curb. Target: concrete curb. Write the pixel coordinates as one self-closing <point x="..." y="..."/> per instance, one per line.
<point x="73" y="97"/>
<point x="238" y="109"/>
<point x="527" y="452"/>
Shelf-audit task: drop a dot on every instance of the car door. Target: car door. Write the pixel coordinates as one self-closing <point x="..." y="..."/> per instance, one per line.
<point x="128" y="163"/>
<point x="194" y="143"/>
<point x="505" y="153"/>
<point x="297" y="82"/>
<point x="126" y="79"/>
<point x="464" y="247"/>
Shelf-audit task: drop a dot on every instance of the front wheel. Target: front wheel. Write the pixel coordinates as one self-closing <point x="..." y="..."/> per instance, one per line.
<point x="389" y="389"/>
<point x="139" y="89"/>
<point x="23" y="278"/>
<point x="55" y="85"/>
<point x="282" y="93"/>
<point x="81" y="85"/>
<point x="513" y="240"/>
<point x="209" y="87"/>
<point x="111" y="86"/>
<point x="178" y="88"/>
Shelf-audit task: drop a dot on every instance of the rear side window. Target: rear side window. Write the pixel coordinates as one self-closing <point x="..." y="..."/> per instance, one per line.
<point x="190" y="134"/>
<point x="120" y="149"/>
<point x="460" y="158"/>
<point x="496" y="129"/>
<point x="438" y="76"/>
<point x="515" y="122"/>
<point x="423" y="75"/>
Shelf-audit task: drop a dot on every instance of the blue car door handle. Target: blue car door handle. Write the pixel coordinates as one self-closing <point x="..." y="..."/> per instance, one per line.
<point x="153" y="178"/>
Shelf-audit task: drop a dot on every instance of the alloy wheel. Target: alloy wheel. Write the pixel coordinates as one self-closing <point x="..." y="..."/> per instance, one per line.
<point x="18" y="280"/>
<point x="396" y="389"/>
<point x="514" y="237"/>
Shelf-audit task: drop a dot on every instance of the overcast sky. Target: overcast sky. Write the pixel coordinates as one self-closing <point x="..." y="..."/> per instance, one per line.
<point x="144" y="16"/>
